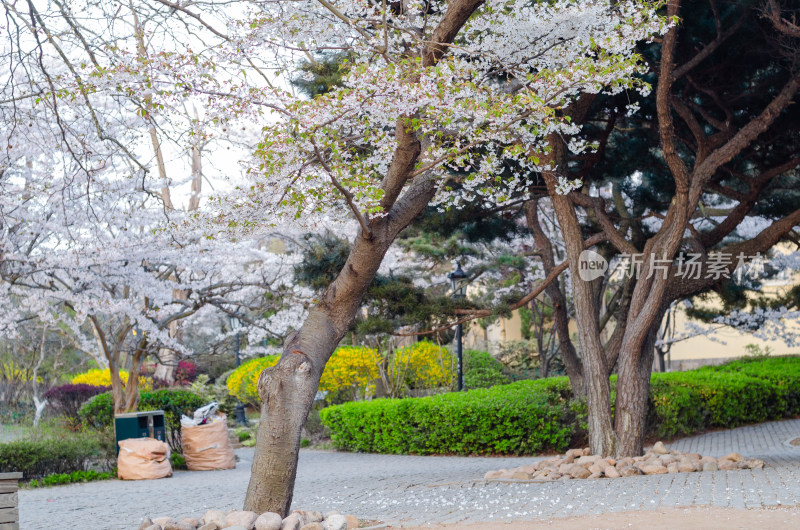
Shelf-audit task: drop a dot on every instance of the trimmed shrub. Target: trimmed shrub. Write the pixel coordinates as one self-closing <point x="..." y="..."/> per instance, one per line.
<point x="523" y="418"/>
<point x="98" y="413"/>
<point x="533" y="416"/>
<point x="66" y="400"/>
<point x="782" y="372"/>
<point x="38" y="458"/>
<point x="723" y="398"/>
<point x="481" y="370"/>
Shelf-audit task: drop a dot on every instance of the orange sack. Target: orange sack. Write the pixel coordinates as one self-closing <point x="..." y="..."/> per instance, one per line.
<point x="143" y="459"/>
<point x="207" y="447"/>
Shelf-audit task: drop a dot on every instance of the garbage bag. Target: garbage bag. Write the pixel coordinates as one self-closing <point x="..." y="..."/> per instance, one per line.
<point x="207" y="447"/>
<point x="206" y="413"/>
<point x="143" y="459"/>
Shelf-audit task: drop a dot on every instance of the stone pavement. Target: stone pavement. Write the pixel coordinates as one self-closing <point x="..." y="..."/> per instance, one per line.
<point x="421" y="490"/>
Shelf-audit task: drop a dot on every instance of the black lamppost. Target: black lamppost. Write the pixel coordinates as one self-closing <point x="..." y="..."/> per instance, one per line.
<point x="458" y="280"/>
<point x="236" y="324"/>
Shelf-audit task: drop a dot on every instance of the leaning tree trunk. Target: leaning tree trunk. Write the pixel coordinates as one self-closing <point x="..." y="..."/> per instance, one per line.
<point x="287" y="390"/>
<point x="287" y="393"/>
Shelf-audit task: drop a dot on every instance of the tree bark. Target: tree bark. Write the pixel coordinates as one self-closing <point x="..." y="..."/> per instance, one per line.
<point x="287" y="390"/>
<point x="569" y="356"/>
<point x="117" y="389"/>
<point x="602" y="439"/>
<point x="633" y="388"/>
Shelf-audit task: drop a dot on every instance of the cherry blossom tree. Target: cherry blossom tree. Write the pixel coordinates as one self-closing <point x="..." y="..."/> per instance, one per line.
<point x="427" y="90"/>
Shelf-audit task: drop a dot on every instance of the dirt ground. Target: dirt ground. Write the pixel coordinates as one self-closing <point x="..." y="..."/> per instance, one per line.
<point x="666" y="519"/>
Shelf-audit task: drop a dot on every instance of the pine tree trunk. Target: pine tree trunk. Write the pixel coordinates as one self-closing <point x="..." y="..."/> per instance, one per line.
<point x="633" y="388"/>
<point x="602" y="439"/>
<point x="572" y="363"/>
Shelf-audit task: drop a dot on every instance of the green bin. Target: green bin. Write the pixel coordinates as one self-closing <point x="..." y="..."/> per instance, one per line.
<point x="146" y="424"/>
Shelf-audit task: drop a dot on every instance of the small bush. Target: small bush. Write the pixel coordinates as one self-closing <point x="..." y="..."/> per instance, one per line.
<point x="351" y="372"/>
<point x="67" y="400"/>
<point x="424" y="365"/>
<point x="99" y="411"/>
<point x="39" y="458"/>
<point x="481" y="370"/>
<point x="185" y="372"/>
<point x="177" y="460"/>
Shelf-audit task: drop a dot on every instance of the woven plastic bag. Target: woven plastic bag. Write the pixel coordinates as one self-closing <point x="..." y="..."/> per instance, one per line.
<point x="207" y="447"/>
<point x="143" y="459"/>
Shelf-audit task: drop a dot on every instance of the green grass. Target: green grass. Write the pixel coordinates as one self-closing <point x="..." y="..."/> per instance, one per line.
<point x="58" y="479"/>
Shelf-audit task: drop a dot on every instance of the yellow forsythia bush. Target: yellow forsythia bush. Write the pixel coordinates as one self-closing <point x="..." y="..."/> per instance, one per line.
<point x="11" y="371"/>
<point x="242" y="381"/>
<point x="100" y="377"/>
<point x="353" y="371"/>
<point x="351" y="367"/>
<point x="423" y="365"/>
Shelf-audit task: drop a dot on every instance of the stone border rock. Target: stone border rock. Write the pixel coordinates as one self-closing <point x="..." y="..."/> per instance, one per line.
<point x="581" y="464"/>
<point x="245" y="520"/>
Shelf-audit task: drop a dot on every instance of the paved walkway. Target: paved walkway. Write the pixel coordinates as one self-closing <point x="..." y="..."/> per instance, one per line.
<point x="422" y="490"/>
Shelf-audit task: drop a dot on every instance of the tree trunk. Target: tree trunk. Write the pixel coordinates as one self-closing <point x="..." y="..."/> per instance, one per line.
<point x="602" y="439"/>
<point x="287" y="394"/>
<point x="287" y="390"/>
<point x="132" y="386"/>
<point x="633" y="388"/>
<point x="572" y="363"/>
<point x="117" y="389"/>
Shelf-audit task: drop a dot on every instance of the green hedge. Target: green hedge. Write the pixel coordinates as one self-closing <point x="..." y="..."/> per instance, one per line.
<point x="686" y="402"/>
<point x="521" y="418"/>
<point x="533" y="416"/>
<point x="38" y="458"/>
<point x="98" y="412"/>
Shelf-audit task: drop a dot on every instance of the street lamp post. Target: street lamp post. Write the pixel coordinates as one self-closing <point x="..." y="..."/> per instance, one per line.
<point x="236" y="324"/>
<point x="458" y="280"/>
